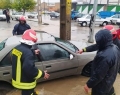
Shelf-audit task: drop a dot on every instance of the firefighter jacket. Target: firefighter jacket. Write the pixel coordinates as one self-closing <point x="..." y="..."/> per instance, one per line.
<point x="24" y="72"/>
<point x="19" y="29"/>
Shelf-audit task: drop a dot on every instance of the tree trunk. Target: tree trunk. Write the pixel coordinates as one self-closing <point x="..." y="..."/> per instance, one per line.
<point x="23" y="11"/>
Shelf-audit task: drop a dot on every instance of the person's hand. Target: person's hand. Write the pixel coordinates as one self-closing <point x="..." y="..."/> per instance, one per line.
<point x="37" y="51"/>
<point x="46" y="76"/>
<point x="80" y="51"/>
<point x="87" y="89"/>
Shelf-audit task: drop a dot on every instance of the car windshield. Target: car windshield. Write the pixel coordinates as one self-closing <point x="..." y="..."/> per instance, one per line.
<point x="67" y="44"/>
<point x="2" y="44"/>
<point x="18" y="13"/>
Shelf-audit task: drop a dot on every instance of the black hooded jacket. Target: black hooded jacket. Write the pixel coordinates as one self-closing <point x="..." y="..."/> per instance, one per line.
<point x="105" y="64"/>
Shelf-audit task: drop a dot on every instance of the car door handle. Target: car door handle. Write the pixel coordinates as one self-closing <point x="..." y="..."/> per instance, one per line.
<point x="49" y="66"/>
<point x="6" y="73"/>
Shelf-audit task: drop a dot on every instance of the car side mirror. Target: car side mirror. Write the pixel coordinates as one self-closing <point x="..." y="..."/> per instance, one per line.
<point x="71" y="56"/>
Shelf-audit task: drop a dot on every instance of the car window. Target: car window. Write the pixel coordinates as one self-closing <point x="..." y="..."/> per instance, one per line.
<point x="2" y="44"/>
<point x="6" y="60"/>
<point x="97" y="17"/>
<point x="88" y="17"/>
<point x="52" y="52"/>
<point x="67" y="44"/>
<point x="18" y="13"/>
<point x="115" y="16"/>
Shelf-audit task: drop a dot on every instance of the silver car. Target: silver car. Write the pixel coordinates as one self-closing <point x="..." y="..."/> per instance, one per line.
<point x="58" y="57"/>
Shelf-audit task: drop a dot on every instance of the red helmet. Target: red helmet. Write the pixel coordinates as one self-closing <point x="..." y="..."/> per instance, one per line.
<point x="29" y="37"/>
<point x="22" y="18"/>
<point x="111" y="28"/>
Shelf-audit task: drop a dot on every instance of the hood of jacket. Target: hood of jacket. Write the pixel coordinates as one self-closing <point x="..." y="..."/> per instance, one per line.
<point x="103" y="39"/>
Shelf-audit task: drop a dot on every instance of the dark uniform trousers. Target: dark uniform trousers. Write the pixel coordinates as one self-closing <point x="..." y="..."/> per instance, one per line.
<point x="112" y="92"/>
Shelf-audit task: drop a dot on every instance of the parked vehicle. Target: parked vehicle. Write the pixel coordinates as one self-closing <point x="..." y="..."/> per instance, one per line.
<point x="2" y="16"/>
<point x="78" y="15"/>
<point x="73" y="14"/>
<point x="104" y="14"/>
<point x="85" y="21"/>
<point x="114" y="18"/>
<point x="46" y="12"/>
<point x="17" y="15"/>
<point x="32" y="15"/>
<point x="58" y="57"/>
<point x="54" y="14"/>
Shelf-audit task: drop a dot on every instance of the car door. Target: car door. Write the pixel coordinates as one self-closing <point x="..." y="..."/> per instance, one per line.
<point x="88" y="19"/>
<point x="98" y="20"/>
<point x="13" y="15"/>
<point x="56" y="60"/>
<point x="6" y="69"/>
<point x="115" y="17"/>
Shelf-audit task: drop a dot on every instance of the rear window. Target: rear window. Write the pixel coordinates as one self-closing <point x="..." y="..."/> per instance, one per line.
<point x="2" y="44"/>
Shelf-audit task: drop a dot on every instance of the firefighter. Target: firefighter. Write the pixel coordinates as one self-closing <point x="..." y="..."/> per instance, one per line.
<point x="24" y="72"/>
<point x="94" y="47"/>
<point x="21" y="27"/>
<point x="105" y="65"/>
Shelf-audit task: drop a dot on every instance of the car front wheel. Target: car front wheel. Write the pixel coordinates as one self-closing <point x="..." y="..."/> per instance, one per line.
<point x="87" y="70"/>
<point x="84" y="24"/>
<point x="105" y="23"/>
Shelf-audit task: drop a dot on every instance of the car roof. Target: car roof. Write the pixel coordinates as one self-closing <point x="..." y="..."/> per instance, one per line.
<point x="41" y="35"/>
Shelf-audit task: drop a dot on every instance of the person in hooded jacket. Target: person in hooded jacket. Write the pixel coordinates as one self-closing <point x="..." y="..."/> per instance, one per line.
<point x="94" y="47"/>
<point x="105" y="65"/>
<point x="21" y="27"/>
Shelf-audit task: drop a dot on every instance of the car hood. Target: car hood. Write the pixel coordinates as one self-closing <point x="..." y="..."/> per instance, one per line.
<point x="79" y="44"/>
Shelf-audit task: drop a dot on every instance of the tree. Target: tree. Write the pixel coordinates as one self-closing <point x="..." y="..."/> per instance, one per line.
<point x="4" y="4"/>
<point x="23" y="5"/>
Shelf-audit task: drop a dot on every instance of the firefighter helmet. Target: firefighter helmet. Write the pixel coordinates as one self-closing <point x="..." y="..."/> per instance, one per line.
<point x="22" y="18"/>
<point x="111" y="28"/>
<point x="29" y="37"/>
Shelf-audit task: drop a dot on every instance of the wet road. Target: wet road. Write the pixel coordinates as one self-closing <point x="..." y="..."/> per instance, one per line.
<point x="72" y="85"/>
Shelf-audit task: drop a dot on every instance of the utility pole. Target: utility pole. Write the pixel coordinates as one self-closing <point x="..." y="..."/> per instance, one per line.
<point x="107" y="4"/>
<point x="92" y="25"/>
<point x="118" y="2"/>
<point x="39" y="12"/>
<point x="65" y="19"/>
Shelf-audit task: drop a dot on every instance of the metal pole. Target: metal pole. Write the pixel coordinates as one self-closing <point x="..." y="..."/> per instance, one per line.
<point x="48" y="5"/>
<point x="44" y="9"/>
<point x="39" y="12"/>
<point x="107" y="4"/>
<point x="100" y="1"/>
<point x="118" y="2"/>
<point x="93" y="17"/>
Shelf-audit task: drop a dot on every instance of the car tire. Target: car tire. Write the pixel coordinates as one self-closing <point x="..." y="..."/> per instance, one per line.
<point x="84" y="24"/>
<point x="87" y="70"/>
<point x="5" y="88"/>
<point x="105" y="23"/>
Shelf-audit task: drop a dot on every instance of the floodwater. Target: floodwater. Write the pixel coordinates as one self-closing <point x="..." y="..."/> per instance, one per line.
<point x="72" y="85"/>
